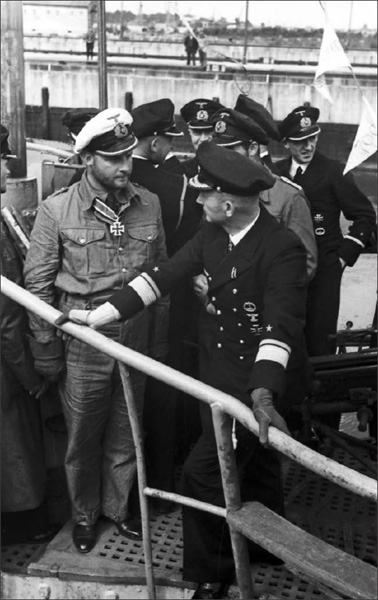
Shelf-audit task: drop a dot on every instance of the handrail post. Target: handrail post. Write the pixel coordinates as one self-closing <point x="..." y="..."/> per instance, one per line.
<point x="223" y="427"/>
<point x="142" y="479"/>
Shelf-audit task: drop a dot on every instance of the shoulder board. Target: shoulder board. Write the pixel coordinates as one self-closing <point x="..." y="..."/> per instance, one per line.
<point x="141" y="187"/>
<point x="295" y="185"/>
<point x="57" y="192"/>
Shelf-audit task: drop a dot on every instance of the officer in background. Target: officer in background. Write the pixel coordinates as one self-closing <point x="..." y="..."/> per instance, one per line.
<point x="257" y="282"/>
<point x="88" y="240"/>
<point x="74" y="120"/>
<point x="330" y="194"/>
<point x="197" y="116"/>
<point x="24" y="514"/>
<point x="155" y="127"/>
<point x="262" y="117"/>
<point x="285" y="200"/>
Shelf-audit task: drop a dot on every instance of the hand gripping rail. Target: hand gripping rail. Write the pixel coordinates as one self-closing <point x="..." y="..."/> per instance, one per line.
<point x="242" y="518"/>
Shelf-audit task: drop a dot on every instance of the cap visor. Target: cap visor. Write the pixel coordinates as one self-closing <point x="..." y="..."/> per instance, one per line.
<point x="175" y="133"/>
<point x="227" y="144"/>
<point x="201" y="127"/>
<point x="198" y="185"/>
<point x="118" y="152"/>
<point x="304" y="135"/>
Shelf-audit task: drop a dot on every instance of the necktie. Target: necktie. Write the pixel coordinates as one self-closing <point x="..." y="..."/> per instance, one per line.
<point x="298" y="175"/>
<point x="230" y="245"/>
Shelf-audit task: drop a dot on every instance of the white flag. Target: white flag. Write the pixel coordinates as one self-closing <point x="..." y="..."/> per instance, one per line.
<point x="321" y="85"/>
<point x="365" y="142"/>
<point x="331" y="58"/>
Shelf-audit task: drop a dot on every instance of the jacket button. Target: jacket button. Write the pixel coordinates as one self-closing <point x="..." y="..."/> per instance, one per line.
<point x="124" y="270"/>
<point x="235" y="310"/>
<point x="221" y="328"/>
<point x="120" y="250"/>
<point x="149" y="237"/>
<point x="235" y="291"/>
<point x="213" y="298"/>
<point x="242" y="341"/>
<point x="241" y="357"/>
<point x="219" y="345"/>
<point x="82" y="240"/>
<point x="240" y="325"/>
<point x="219" y="312"/>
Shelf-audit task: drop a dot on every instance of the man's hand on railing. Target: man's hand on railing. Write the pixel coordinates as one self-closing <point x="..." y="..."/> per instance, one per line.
<point x="80" y="317"/>
<point x="265" y="414"/>
<point x="102" y="315"/>
<point x="48" y="358"/>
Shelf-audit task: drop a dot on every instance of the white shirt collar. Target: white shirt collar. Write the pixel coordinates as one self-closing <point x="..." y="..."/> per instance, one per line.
<point x="295" y="165"/>
<point x="237" y="237"/>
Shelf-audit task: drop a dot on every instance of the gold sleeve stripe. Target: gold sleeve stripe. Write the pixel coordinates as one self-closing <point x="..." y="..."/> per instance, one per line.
<point x="146" y="289"/>
<point x="274" y="353"/>
<point x="350" y="237"/>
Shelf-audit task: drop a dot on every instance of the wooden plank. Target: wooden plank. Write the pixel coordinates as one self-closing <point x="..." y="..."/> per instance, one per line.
<point x="330" y="566"/>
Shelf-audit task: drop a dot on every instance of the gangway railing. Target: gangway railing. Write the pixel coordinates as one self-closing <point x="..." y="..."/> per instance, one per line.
<point x="358" y="578"/>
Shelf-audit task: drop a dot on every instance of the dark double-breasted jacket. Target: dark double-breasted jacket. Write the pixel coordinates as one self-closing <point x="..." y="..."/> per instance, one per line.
<point x="180" y="212"/>
<point x="331" y="193"/>
<point x="258" y="291"/>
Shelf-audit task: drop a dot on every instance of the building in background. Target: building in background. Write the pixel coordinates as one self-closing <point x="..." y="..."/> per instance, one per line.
<point x="57" y="18"/>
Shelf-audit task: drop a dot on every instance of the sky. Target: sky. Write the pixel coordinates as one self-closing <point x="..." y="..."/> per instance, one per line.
<point x="272" y="13"/>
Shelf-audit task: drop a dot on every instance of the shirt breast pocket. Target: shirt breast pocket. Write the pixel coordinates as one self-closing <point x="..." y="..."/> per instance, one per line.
<point x="143" y="242"/>
<point x="84" y="251"/>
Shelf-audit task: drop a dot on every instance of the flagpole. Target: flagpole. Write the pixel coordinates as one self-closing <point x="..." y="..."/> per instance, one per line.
<point x="245" y="33"/>
<point x="350" y="23"/>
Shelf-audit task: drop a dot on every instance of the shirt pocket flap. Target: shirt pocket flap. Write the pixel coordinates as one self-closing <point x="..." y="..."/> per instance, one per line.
<point x="83" y="237"/>
<point x="144" y="234"/>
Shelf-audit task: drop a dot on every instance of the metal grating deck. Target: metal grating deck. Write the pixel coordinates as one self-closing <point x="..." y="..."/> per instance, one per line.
<point x="321" y="508"/>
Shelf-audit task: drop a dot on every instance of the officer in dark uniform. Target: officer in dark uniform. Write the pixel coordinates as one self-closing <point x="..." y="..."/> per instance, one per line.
<point x="74" y="120"/>
<point x="285" y="200"/>
<point x="258" y="288"/>
<point x="262" y="117"/>
<point x="197" y="116"/>
<point x="155" y="127"/>
<point x="330" y="193"/>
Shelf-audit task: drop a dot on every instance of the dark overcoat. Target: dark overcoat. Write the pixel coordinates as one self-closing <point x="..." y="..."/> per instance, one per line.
<point x="23" y="473"/>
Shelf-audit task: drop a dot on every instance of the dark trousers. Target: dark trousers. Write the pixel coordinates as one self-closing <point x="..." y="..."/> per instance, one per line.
<point x="323" y="308"/>
<point x="207" y="546"/>
<point x="190" y="57"/>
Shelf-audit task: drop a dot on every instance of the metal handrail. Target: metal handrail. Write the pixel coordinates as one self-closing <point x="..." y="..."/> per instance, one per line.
<point x="344" y="476"/>
<point x="220" y="405"/>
